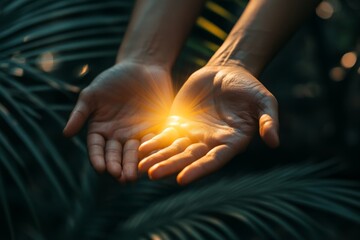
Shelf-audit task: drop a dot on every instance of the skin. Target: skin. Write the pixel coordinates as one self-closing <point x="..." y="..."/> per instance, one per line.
<point x="133" y="98"/>
<point x="116" y="104"/>
<point x="220" y="108"/>
<point x="217" y="111"/>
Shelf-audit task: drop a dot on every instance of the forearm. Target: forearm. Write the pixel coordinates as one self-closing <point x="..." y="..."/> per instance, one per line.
<point x="158" y="29"/>
<point x="262" y="29"/>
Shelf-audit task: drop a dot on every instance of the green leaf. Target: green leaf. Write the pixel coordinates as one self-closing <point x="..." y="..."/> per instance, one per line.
<point x="13" y="171"/>
<point x="6" y="208"/>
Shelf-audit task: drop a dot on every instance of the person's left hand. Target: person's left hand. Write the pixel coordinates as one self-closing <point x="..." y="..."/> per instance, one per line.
<point x="122" y="104"/>
<point x="213" y="118"/>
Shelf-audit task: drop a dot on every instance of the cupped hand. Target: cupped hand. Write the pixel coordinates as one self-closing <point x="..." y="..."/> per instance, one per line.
<point x="213" y="118"/>
<point x="122" y="104"/>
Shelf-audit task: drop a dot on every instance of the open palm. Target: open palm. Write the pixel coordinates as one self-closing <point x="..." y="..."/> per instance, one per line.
<point x="213" y="117"/>
<point x="123" y="104"/>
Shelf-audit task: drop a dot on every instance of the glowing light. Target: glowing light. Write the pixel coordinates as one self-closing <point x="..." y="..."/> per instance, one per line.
<point x="84" y="70"/>
<point x="325" y="10"/>
<point x="178" y="123"/>
<point x="337" y="74"/>
<point x="174" y="119"/>
<point x="47" y="62"/>
<point x="348" y="60"/>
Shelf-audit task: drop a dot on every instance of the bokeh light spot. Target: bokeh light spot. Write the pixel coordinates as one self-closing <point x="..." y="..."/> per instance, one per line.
<point x="325" y="10"/>
<point x="337" y="74"/>
<point x="47" y="62"/>
<point x="348" y="60"/>
<point x="84" y="70"/>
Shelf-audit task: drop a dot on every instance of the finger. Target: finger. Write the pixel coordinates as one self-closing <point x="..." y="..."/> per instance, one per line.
<point x="178" y="162"/>
<point x="77" y="117"/>
<point x="96" y="144"/>
<point x="163" y="139"/>
<point x="147" y="137"/>
<point x="178" y="146"/>
<point x="130" y="159"/>
<point x="212" y="161"/>
<point x="269" y="123"/>
<point x="113" y="152"/>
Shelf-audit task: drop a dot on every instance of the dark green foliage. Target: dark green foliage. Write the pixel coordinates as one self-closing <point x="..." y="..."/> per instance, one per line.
<point x="48" y="189"/>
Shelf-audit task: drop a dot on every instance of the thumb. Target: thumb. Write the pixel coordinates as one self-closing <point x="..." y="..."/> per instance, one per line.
<point x="269" y="123"/>
<point x="77" y="118"/>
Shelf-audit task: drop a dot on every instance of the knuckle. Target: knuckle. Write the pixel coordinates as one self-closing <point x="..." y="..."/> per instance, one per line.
<point x="85" y="94"/>
<point x="177" y="148"/>
<point x="160" y="155"/>
<point x="198" y="151"/>
<point x="112" y="150"/>
<point x="267" y="100"/>
<point x="212" y="156"/>
<point x="273" y="100"/>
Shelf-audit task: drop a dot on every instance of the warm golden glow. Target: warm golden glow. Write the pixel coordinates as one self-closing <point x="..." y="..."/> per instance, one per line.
<point x="325" y="10"/>
<point x="174" y="120"/>
<point x="348" y="60"/>
<point x="84" y="70"/>
<point x="177" y="121"/>
<point x="337" y="74"/>
<point x="47" y="62"/>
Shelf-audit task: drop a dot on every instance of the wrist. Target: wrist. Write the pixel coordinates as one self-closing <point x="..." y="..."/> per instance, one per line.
<point x="243" y="49"/>
<point x="143" y="61"/>
<point x="236" y="62"/>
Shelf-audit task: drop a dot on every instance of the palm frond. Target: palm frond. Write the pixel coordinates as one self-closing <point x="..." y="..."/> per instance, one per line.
<point x="271" y="205"/>
<point x="5" y="207"/>
<point x="74" y="30"/>
<point x="262" y="202"/>
<point x="210" y="31"/>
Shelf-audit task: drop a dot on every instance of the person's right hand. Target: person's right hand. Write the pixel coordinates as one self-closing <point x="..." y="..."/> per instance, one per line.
<point x="122" y="104"/>
<point x="213" y="118"/>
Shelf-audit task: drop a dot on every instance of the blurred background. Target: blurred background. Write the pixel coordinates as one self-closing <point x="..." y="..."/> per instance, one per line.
<point x="50" y="50"/>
